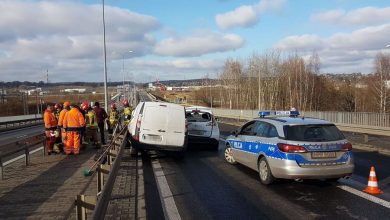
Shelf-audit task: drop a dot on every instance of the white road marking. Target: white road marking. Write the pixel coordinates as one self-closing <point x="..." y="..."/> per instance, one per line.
<point x="363" y="195"/>
<point x="21" y="136"/>
<point x="169" y="206"/>
<point x="21" y="156"/>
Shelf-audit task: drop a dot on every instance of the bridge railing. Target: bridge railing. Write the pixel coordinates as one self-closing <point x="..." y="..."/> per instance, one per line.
<point x="22" y="146"/>
<point x="105" y="168"/>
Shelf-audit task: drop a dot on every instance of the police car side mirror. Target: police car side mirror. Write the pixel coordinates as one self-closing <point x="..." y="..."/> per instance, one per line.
<point x="217" y="119"/>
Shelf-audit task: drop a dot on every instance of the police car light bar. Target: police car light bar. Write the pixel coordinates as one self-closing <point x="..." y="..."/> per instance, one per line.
<point x="262" y="114"/>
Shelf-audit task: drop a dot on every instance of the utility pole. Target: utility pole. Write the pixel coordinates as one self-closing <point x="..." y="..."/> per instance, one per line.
<point x="47" y="76"/>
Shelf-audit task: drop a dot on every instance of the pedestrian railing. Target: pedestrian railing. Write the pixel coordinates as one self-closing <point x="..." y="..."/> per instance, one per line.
<point x="25" y="146"/>
<point x="106" y="168"/>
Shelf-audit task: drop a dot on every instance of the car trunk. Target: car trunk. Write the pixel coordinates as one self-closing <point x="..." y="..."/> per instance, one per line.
<point x="198" y="125"/>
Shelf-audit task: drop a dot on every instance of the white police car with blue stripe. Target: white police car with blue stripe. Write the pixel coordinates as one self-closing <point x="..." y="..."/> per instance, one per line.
<point x="280" y="144"/>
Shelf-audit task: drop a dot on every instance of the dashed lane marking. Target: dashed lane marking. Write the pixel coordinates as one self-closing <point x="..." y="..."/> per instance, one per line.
<point x="169" y="206"/>
<point x="363" y="195"/>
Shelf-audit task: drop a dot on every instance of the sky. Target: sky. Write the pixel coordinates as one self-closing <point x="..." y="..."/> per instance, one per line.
<point x="183" y="39"/>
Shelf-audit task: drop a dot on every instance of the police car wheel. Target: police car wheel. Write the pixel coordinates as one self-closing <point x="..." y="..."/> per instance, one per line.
<point x="229" y="155"/>
<point x="265" y="174"/>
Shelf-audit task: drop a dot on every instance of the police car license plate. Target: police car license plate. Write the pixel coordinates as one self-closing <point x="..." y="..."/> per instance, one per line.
<point x="318" y="155"/>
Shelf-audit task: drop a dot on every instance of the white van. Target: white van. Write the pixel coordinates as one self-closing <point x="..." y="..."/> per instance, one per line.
<point x="158" y="126"/>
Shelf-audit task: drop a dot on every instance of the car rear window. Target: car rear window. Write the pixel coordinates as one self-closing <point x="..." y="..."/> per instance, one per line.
<point x="310" y="133"/>
<point x="198" y="116"/>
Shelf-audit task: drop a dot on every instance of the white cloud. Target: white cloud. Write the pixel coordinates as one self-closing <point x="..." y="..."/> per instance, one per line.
<point x="301" y="42"/>
<point x="342" y="52"/>
<point x="247" y="15"/>
<point x="66" y="38"/>
<point x="360" y="16"/>
<point x="198" y="44"/>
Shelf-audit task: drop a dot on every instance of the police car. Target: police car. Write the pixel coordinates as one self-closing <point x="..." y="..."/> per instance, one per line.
<point x="280" y="144"/>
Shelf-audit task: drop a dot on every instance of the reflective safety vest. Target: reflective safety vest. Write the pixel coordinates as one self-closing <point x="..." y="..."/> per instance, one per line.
<point x="50" y="120"/>
<point x="90" y="119"/>
<point x="73" y="120"/>
<point x="127" y="113"/>
<point x="113" y="116"/>
<point x="61" y="117"/>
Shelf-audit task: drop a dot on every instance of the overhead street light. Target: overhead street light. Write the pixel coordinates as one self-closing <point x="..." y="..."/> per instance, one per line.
<point x="105" y="62"/>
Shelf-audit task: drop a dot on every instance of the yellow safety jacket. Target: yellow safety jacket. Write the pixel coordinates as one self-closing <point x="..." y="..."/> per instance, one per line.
<point x="113" y="118"/>
<point x="90" y="119"/>
<point x="127" y="113"/>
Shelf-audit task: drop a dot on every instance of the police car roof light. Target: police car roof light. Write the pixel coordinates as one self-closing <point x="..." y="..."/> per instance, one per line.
<point x="262" y="114"/>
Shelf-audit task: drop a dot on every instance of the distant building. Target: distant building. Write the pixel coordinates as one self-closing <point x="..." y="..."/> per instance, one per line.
<point x="74" y="90"/>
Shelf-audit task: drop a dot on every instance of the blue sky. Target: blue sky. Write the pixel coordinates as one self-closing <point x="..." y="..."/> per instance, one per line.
<point x="173" y="39"/>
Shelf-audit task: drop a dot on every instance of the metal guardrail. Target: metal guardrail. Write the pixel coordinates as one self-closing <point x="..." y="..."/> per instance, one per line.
<point x="25" y="146"/>
<point x="350" y="118"/>
<point x="11" y="125"/>
<point x="98" y="204"/>
<point x="359" y="122"/>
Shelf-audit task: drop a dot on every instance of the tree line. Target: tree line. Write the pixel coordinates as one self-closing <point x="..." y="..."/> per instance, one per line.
<point x="275" y="81"/>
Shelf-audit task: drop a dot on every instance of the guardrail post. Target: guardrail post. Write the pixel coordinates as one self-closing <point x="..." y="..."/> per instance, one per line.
<point x="101" y="170"/>
<point x="27" y="155"/>
<point x="83" y="204"/>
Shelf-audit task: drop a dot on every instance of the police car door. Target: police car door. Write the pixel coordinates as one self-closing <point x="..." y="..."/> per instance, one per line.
<point x="264" y="140"/>
<point x="240" y="144"/>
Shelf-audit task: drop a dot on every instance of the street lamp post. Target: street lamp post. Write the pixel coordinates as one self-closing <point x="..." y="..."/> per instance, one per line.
<point x="105" y="62"/>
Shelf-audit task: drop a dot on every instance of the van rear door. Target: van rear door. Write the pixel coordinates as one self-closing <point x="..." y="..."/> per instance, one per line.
<point x="176" y="126"/>
<point x="154" y="124"/>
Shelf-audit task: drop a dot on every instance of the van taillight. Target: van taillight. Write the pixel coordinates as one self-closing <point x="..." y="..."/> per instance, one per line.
<point x="137" y="128"/>
<point x="346" y="147"/>
<point x="289" y="148"/>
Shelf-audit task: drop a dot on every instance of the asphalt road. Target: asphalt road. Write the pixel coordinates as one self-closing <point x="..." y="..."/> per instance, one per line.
<point x="204" y="186"/>
<point x="11" y="136"/>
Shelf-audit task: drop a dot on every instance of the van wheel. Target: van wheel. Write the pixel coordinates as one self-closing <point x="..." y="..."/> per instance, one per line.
<point x="229" y="155"/>
<point x="265" y="173"/>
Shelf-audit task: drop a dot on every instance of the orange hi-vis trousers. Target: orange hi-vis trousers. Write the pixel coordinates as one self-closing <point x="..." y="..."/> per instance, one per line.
<point x="72" y="142"/>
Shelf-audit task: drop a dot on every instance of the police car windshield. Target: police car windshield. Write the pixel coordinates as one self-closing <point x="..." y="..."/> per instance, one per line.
<point x="310" y="133"/>
<point x="198" y="116"/>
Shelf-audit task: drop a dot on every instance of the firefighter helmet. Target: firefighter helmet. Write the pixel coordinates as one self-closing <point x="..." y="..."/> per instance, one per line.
<point x="58" y="106"/>
<point x="113" y="106"/>
<point x="125" y="102"/>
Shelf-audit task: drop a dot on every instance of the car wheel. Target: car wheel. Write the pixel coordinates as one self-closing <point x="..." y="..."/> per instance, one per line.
<point x="229" y="155"/>
<point x="265" y="173"/>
